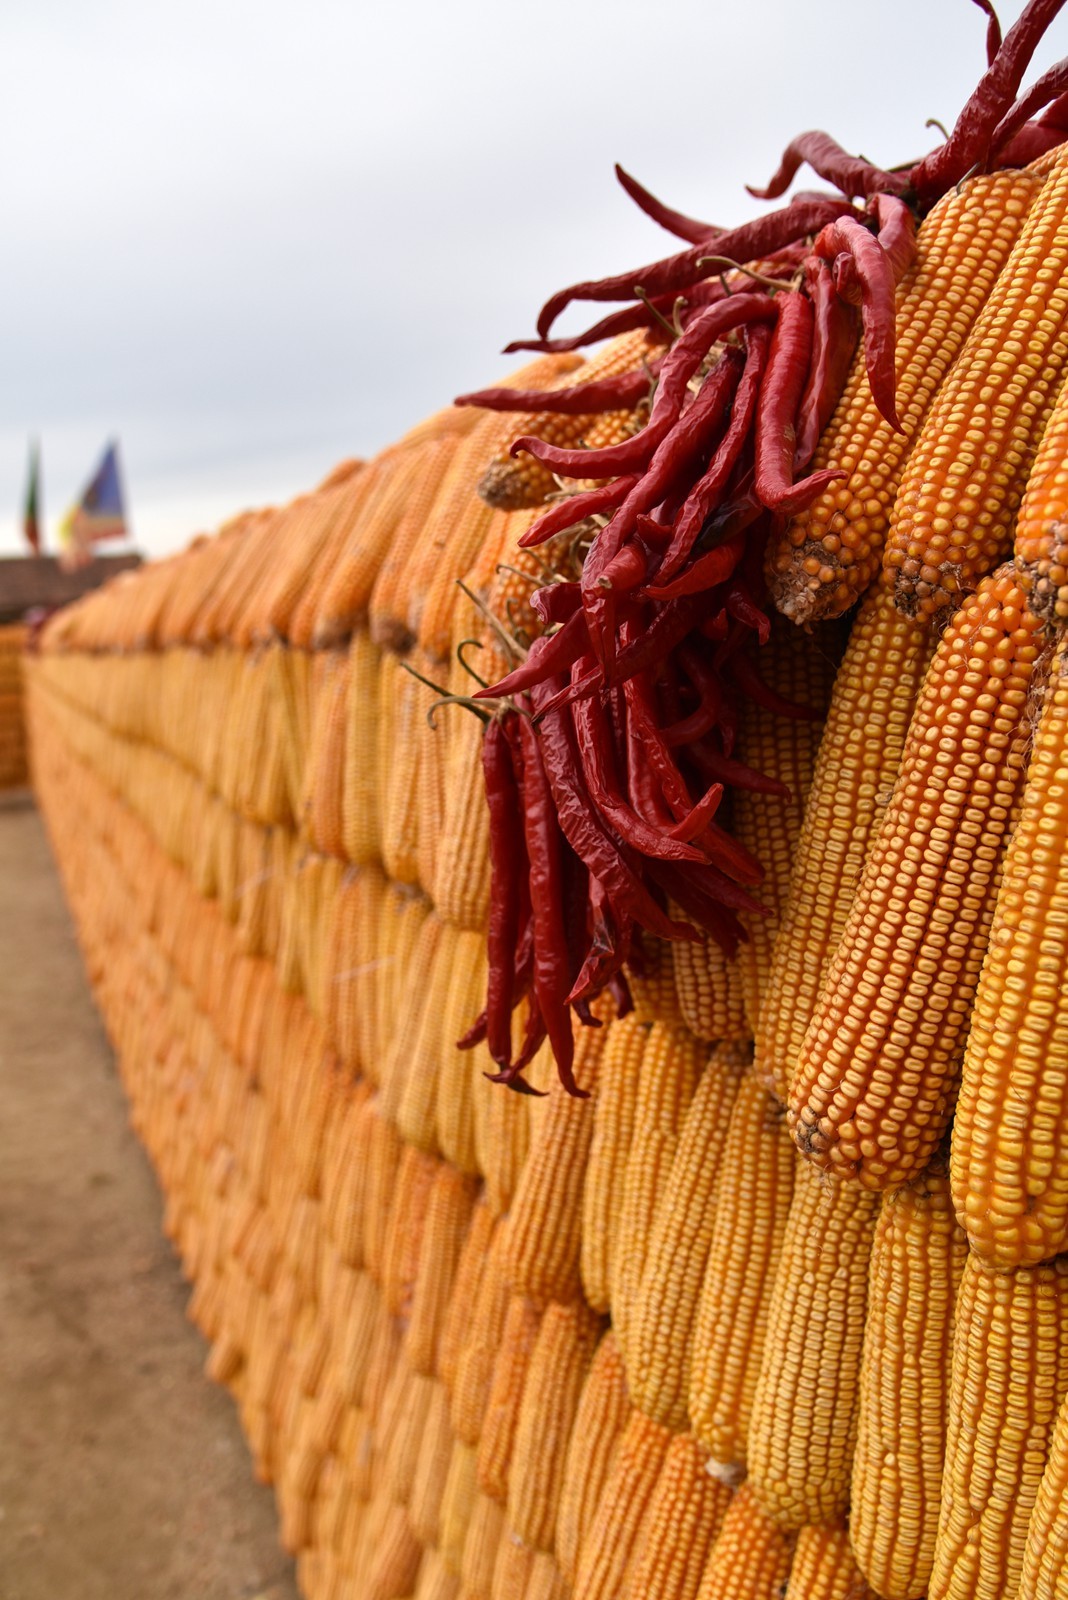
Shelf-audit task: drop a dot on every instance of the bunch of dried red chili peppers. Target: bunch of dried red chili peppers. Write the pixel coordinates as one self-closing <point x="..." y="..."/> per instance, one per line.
<point x="610" y="747"/>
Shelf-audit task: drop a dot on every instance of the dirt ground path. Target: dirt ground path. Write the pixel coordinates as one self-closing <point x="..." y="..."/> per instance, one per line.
<point x="123" y="1471"/>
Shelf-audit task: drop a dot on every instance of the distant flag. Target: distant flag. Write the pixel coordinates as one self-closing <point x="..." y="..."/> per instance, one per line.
<point x="99" y="514"/>
<point x="31" y="514"/>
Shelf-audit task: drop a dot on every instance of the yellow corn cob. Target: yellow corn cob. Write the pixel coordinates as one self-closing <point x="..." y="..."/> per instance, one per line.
<point x="708" y="990"/>
<point x="546" y="1581"/>
<point x="512" y="1569"/>
<point x="474" y="1368"/>
<point x="510" y="1370"/>
<point x="613" y="1127"/>
<point x="685" y="1516"/>
<point x="464" y="1293"/>
<point x="502" y="1131"/>
<point x="828" y="554"/>
<point x="751" y="1208"/>
<point x="359" y="802"/>
<point x="1009" y="1379"/>
<point x="661" y="1338"/>
<point x="402" y="914"/>
<point x="856" y="767"/>
<point x="751" y="1557"/>
<point x="431" y="1469"/>
<point x="604" y="1410"/>
<point x="431" y="764"/>
<point x="422" y="981"/>
<point x="480" y="1548"/>
<point x="876" y="1075"/>
<point x="958" y="496"/>
<point x="1045" y="1564"/>
<point x="653" y="988"/>
<point x="353" y="919"/>
<point x="824" y="1568"/>
<point x="1010" y="1147"/>
<point x="614" y="1533"/>
<point x="407" y="1226"/>
<point x="801" y="669"/>
<point x="448" y="1218"/>
<point x="672" y="1062"/>
<point x="401" y="706"/>
<point x="387" y="600"/>
<point x="403" y="1425"/>
<point x="384" y="1150"/>
<point x="1041" y="548"/>
<point x="545" y="1224"/>
<point x="436" y="1582"/>
<point x="803" y="1425"/>
<point x="461" y="887"/>
<point x="916" y="1262"/>
<point x="457" y="1505"/>
<point x="558" y="1365"/>
<point x="454" y="1108"/>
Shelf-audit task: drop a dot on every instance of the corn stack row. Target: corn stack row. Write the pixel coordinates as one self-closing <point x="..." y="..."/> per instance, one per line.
<point x="782" y="1308"/>
<point x="13" y="763"/>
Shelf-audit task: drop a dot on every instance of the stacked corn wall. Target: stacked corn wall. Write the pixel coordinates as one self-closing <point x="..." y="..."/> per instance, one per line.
<point x="13" y="767"/>
<point x="646" y="1344"/>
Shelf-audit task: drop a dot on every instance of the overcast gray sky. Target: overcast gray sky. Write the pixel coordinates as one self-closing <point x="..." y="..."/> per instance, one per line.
<point x="250" y="239"/>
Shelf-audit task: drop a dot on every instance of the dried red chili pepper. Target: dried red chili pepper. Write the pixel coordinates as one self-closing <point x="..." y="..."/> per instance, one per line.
<point x="620" y="393"/>
<point x="826" y="157"/>
<point x="508" y="861"/>
<point x="777" y="408"/>
<point x="675" y="222"/>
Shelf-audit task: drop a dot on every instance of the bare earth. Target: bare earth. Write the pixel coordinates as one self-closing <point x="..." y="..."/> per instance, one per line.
<point x="123" y="1471"/>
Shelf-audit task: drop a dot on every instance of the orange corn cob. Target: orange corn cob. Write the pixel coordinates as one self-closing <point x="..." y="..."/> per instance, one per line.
<point x="507" y="1386"/>
<point x="916" y="1263"/>
<point x="953" y="516"/>
<point x="558" y="1365"/>
<point x="1010" y="1145"/>
<point x="876" y="1076"/>
<point x="1045" y="1564"/>
<point x="804" y="1421"/>
<point x="1041" y="550"/>
<point x="615" y="1531"/>
<point x="613" y="1128"/>
<point x="685" y="1516"/>
<point x="1009" y="1379"/>
<point x="751" y="1557"/>
<point x="672" y="1062"/>
<point x="824" y="1568"/>
<point x="402" y="706"/>
<point x="801" y="669"/>
<point x="856" y="767"/>
<point x="827" y="555"/>
<point x="604" y="1410"/>
<point x="751" y="1207"/>
<point x="420" y="982"/>
<point x="661" y="1340"/>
